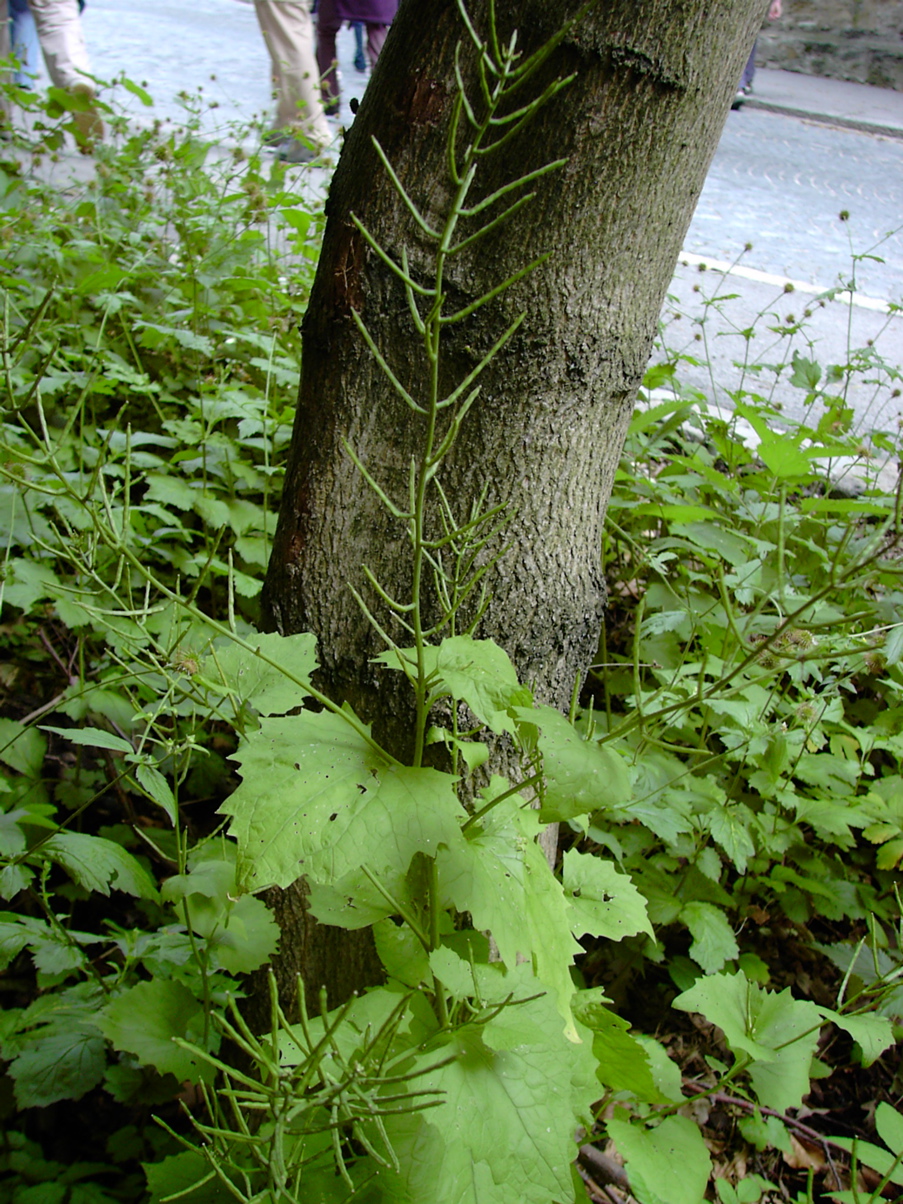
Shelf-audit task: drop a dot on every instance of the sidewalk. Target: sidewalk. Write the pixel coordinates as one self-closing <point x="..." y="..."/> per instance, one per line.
<point x="829" y="101"/>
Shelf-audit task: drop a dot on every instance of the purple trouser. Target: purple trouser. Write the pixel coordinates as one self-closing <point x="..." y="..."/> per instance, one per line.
<point x="328" y="25"/>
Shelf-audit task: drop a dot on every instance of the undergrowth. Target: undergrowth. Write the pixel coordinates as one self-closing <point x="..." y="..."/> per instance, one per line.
<point x="735" y="999"/>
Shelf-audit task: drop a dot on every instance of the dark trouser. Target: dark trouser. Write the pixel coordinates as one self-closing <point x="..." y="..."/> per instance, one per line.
<point x="749" y="70"/>
<point x="328" y="26"/>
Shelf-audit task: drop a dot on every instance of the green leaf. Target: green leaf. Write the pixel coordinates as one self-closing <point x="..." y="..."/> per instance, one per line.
<point x="873" y="1156"/>
<point x="806" y="373"/>
<point x="157" y="787"/>
<point x="728" y="828"/>
<point x="177" y="1176"/>
<point x="91" y="737"/>
<point x="511" y="1100"/>
<point x="476" y="672"/>
<point x="145" y="1019"/>
<point x="58" y="1065"/>
<point x="27" y="582"/>
<point x="317" y="799"/>
<point x="580" y="775"/>
<point x="401" y="953"/>
<point x="241" y="933"/>
<point x="12" y="838"/>
<point x="622" y="1062"/>
<point x="764" y="1131"/>
<point x="714" y="942"/>
<point x="665" y="1165"/>
<point x="22" y="748"/>
<point x="455" y="974"/>
<point x="783" y="455"/>
<point x="871" y="1032"/>
<point x="779" y="1033"/>
<point x="604" y="902"/>
<point x="353" y="901"/>
<point x="267" y="688"/>
<point x="889" y="1124"/>
<point x="136" y="90"/>
<point x="98" y="864"/>
<point x="501" y="877"/>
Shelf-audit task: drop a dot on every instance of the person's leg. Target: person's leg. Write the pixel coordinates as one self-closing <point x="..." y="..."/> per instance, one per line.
<point x="328" y="26"/>
<point x="360" y="63"/>
<point x="63" y="43"/>
<point x="66" y="59"/>
<point x="376" y="36"/>
<point x="5" y="51"/>
<point x="749" y="71"/>
<point x="287" y="31"/>
<point x="26" y="47"/>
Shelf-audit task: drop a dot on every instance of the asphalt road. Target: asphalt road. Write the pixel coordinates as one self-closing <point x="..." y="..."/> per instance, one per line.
<point x="777" y="182"/>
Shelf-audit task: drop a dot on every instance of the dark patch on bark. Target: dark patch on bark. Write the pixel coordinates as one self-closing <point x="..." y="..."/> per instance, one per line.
<point x="424" y="101"/>
<point x="348" y="291"/>
<point x="628" y="58"/>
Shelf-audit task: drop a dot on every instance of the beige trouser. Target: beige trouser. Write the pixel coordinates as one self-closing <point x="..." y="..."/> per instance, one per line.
<point x="62" y="43"/>
<point x="288" y="33"/>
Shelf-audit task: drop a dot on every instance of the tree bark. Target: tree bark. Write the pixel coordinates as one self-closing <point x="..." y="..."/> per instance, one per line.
<point x="638" y="126"/>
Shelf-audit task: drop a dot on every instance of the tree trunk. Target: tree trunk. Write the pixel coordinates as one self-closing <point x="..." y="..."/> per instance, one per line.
<point x="638" y="126"/>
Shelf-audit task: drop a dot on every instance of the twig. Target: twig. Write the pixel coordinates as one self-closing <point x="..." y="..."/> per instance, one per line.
<point x="721" y="1097"/>
<point x="597" y="1193"/>
<point x="604" y="1168"/>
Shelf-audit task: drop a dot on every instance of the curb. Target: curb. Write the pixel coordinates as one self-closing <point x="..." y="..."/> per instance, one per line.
<point x="846" y="123"/>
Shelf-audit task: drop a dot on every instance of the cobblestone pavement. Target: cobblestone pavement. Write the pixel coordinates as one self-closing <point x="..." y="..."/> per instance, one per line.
<point x="781" y="183"/>
<point x="778" y="182"/>
<point x="173" y="46"/>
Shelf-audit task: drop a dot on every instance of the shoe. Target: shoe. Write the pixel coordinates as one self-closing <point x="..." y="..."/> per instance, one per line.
<point x="272" y="139"/>
<point x="296" y="153"/>
<point x="742" y="94"/>
<point x="87" y="122"/>
<point x="360" y="63"/>
<point x="331" y="107"/>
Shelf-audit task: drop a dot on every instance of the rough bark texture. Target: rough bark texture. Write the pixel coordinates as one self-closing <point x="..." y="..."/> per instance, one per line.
<point x="639" y="125"/>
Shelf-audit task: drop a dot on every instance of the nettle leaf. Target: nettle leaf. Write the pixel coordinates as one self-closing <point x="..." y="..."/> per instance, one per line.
<point x="511" y="1100"/>
<point x="871" y="1032"/>
<point x="252" y="680"/>
<point x="665" y="1165"/>
<point x="144" y="1021"/>
<point x="58" y="1064"/>
<point x="318" y="799"/>
<point x="476" y="672"/>
<point x="580" y="775"/>
<point x="777" y="1032"/>
<point x="501" y="877"/>
<point x="604" y="902"/>
<point x="714" y="942"/>
<point x="98" y="864"/>
<point x="728" y="825"/>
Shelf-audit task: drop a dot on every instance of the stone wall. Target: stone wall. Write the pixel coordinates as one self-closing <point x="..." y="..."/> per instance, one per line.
<point x="860" y="40"/>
